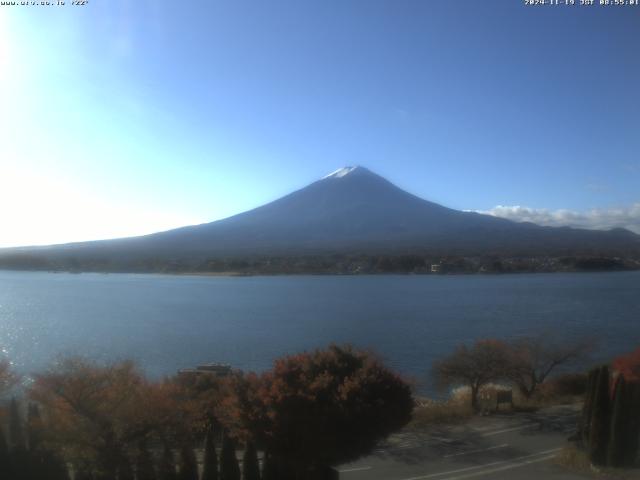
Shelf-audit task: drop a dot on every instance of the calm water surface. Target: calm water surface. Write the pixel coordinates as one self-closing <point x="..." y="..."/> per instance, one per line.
<point x="170" y="322"/>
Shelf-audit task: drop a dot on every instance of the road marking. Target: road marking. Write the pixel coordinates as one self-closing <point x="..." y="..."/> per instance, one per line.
<point x="477" y="451"/>
<point x="497" y="432"/>
<point x="354" y="469"/>
<point x="500" y="462"/>
<point x="500" y="469"/>
<point x="443" y="440"/>
<point x="490" y="426"/>
<point x="402" y="446"/>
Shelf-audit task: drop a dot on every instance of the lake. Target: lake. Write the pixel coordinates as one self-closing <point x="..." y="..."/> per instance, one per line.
<point x="171" y="322"/>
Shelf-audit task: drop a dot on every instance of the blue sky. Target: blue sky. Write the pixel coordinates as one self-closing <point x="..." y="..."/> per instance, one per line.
<point x="127" y="117"/>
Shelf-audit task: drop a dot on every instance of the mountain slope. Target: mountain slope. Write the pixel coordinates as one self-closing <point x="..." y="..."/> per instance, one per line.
<point x="353" y="210"/>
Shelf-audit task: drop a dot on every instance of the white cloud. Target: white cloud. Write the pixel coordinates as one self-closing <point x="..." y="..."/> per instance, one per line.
<point x="597" y="219"/>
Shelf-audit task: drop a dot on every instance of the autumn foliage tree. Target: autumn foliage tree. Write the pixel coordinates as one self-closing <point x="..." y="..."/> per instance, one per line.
<point x="242" y="410"/>
<point x="629" y="366"/>
<point x="329" y="407"/>
<point x="197" y="398"/>
<point x="311" y="411"/>
<point x="97" y="414"/>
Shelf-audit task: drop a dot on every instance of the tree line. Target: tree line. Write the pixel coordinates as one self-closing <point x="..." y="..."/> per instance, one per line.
<point x="311" y="411"/>
<point x="337" y="263"/>
<point x="109" y="422"/>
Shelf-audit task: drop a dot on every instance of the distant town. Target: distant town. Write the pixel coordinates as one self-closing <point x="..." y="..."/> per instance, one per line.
<point x="337" y="264"/>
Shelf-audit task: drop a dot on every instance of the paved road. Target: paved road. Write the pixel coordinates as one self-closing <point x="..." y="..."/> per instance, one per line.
<point x="498" y="447"/>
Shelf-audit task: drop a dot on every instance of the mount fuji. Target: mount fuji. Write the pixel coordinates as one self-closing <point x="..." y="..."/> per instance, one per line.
<point x="351" y="210"/>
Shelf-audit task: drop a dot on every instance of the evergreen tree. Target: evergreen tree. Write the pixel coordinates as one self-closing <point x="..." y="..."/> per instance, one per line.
<point x="229" y="468"/>
<point x="619" y="422"/>
<point x="250" y="465"/>
<point x="5" y="458"/>
<point x="188" y="464"/>
<point x="16" y="431"/>
<point x="83" y="472"/>
<point x="167" y="466"/>
<point x="57" y="467"/>
<point x="588" y="406"/>
<point x="144" y="464"/>
<point x="34" y="427"/>
<point x="35" y="459"/>
<point x="22" y="466"/>
<point x="39" y="460"/>
<point x="599" y="425"/>
<point x="632" y="438"/>
<point x="269" y="467"/>
<point x="125" y="471"/>
<point x="210" y="470"/>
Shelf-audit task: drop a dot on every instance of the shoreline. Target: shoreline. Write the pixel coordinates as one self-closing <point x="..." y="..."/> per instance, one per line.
<point x="237" y="274"/>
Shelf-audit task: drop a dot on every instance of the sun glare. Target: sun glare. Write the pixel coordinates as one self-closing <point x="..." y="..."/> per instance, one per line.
<point x="54" y="209"/>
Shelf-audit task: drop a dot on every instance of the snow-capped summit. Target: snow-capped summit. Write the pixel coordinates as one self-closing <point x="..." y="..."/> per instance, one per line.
<point x="342" y="172"/>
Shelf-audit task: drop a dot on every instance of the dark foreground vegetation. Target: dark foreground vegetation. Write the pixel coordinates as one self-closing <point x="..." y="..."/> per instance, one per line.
<point x="609" y="431"/>
<point x="311" y="411"/>
<point x="348" y="264"/>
